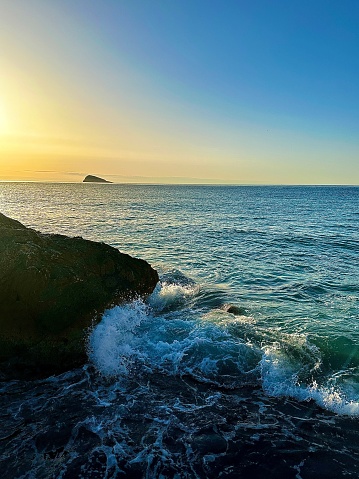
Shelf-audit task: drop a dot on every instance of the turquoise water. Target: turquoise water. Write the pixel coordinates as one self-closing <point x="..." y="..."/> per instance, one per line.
<point x="178" y="386"/>
<point x="287" y="257"/>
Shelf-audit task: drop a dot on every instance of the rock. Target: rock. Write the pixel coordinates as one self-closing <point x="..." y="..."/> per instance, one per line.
<point x="233" y="309"/>
<point x="94" y="179"/>
<point x="53" y="289"/>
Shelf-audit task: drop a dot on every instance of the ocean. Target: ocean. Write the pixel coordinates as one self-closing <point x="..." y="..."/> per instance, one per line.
<point x="244" y="362"/>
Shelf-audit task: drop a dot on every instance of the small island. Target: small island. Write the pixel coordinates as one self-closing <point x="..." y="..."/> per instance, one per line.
<point x="94" y="179"/>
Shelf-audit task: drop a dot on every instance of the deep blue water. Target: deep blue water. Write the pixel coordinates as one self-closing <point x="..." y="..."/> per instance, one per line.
<point x="287" y="256"/>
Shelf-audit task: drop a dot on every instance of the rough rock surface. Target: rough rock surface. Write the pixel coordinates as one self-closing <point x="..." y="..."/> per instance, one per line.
<point x="94" y="179"/>
<point x="53" y="289"/>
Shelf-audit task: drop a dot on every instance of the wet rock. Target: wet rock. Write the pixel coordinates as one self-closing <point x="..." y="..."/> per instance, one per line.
<point x="53" y="289"/>
<point x="233" y="309"/>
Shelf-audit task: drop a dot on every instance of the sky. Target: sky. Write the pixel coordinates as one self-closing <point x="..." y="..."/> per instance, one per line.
<point x="180" y="91"/>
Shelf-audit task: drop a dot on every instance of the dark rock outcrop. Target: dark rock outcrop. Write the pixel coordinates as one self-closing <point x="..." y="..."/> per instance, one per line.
<point x="94" y="179"/>
<point x="233" y="309"/>
<point x="53" y="289"/>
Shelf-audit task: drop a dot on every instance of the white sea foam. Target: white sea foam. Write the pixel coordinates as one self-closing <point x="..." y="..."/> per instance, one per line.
<point x="157" y="338"/>
<point x="173" y="343"/>
<point x="170" y="295"/>
<point x="112" y="343"/>
<point x="280" y="378"/>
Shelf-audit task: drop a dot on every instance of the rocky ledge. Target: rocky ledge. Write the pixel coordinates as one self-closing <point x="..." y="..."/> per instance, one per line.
<point x="53" y="289"/>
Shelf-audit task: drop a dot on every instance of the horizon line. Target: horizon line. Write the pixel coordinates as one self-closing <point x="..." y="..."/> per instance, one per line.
<point x="178" y="184"/>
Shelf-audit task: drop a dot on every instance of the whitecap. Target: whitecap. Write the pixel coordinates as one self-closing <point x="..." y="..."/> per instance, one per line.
<point x="281" y="378"/>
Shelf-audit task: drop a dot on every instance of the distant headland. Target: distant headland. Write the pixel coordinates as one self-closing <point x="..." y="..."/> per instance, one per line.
<point x="94" y="179"/>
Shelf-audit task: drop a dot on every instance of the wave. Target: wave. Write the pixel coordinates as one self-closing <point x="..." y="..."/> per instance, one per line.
<point x="171" y="335"/>
<point x="280" y="378"/>
<point x="175" y="347"/>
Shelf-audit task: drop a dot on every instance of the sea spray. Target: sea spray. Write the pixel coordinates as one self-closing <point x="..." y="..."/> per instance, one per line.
<point x="112" y="343"/>
<point x="155" y="338"/>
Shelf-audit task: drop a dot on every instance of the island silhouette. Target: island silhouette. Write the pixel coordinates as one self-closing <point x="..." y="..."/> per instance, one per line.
<point x="94" y="179"/>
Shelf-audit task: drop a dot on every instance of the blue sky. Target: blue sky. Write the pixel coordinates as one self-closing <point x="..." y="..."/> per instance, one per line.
<point x="208" y="91"/>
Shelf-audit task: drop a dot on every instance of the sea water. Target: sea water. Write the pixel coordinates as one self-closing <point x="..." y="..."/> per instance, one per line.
<point x="176" y="383"/>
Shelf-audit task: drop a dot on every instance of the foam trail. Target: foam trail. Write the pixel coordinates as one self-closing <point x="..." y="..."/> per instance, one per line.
<point x="280" y="379"/>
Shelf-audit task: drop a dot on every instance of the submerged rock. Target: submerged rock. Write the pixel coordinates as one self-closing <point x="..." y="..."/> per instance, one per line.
<point x="233" y="309"/>
<point x="53" y="288"/>
<point x="94" y="179"/>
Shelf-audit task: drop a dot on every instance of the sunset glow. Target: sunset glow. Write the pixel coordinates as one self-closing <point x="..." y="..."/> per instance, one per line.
<point x="3" y="119"/>
<point x="161" y="93"/>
